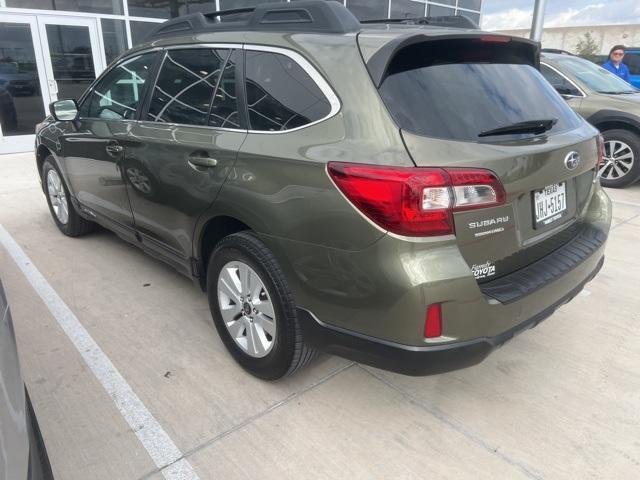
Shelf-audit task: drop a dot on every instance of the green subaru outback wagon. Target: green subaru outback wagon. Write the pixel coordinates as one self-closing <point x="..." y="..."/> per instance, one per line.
<point x="409" y="194"/>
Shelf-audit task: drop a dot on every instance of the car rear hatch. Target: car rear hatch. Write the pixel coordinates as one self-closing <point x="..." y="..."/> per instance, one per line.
<point x="475" y="100"/>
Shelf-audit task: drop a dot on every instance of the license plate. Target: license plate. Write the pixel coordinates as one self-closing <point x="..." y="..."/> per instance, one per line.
<point x="550" y="203"/>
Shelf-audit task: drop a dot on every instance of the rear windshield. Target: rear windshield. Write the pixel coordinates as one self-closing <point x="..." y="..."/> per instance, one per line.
<point x="468" y="93"/>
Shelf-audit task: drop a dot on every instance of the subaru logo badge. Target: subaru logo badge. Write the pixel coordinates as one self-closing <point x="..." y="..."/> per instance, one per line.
<point x="572" y="160"/>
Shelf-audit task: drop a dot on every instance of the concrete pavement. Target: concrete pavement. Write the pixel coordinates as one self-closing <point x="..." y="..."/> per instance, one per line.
<point x="559" y="401"/>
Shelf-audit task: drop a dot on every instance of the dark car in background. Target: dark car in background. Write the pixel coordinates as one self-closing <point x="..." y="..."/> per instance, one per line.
<point x="8" y="114"/>
<point x="22" y="452"/>
<point x="15" y="81"/>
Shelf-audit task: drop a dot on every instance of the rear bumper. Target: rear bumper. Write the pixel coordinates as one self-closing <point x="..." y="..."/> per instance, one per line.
<point x="414" y="360"/>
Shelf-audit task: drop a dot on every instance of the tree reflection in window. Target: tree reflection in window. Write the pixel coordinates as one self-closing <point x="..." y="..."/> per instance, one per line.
<point x="224" y="107"/>
<point x="117" y="95"/>
<point x="280" y="94"/>
<point x="185" y="86"/>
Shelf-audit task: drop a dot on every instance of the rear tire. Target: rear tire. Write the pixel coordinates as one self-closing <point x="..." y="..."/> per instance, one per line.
<point x="259" y="327"/>
<point x="622" y="158"/>
<point x="61" y="207"/>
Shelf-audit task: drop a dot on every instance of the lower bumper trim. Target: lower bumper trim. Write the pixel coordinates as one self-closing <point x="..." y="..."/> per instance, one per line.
<point x="413" y="360"/>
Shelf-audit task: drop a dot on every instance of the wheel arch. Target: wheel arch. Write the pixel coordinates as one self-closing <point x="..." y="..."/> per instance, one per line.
<point x="212" y="231"/>
<point x="41" y="153"/>
<point x="611" y="119"/>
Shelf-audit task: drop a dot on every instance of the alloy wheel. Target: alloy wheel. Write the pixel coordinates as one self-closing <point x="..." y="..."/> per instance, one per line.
<point x="618" y="160"/>
<point x="247" y="309"/>
<point x="57" y="196"/>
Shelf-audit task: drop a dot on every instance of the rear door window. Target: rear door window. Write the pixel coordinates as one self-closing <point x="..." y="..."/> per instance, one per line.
<point x="280" y="93"/>
<point x="184" y="90"/>
<point x="224" y="108"/>
<point x="458" y="93"/>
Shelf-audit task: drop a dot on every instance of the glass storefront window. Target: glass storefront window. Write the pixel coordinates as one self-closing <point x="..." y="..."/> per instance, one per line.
<point x="470" y="4"/>
<point x="368" y="9"/>
<point x="438" y="11"/>
<point x="71" y="59"/>
<point x="406" y="9"/>
<point x="21" y="104"/>
<point x="475" y="17"/>
<point x="140" y="30"/>
<point x="113" y="7"/>
<point x="155" y="8"/>
<point x="114" y="34"/>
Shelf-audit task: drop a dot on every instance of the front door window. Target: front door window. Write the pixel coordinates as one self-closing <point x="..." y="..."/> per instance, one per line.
<point x="117" y="95"/>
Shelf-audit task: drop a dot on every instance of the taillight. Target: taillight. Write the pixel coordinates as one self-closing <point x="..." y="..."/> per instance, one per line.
<point x="495" y="39"/>
<point x="416" y="201"/>
<point x="600" y="151"/>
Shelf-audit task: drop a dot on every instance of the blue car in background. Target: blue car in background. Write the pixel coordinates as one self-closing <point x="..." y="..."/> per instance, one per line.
<point x="632" y="59"/>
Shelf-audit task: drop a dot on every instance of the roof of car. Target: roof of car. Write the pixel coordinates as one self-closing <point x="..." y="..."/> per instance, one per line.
<point x="309" y="16"/>
<point x="378" y="34"/>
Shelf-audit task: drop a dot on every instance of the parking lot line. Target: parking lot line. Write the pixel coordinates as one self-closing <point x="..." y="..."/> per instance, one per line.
<point x="623" y="202"/>
<point x="162" y="450"/>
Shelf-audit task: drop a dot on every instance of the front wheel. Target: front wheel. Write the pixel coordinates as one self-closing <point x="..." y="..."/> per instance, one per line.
<point x="253" y="309"/>
<point x="62" y="210"/>
<point x="621" y="158"/>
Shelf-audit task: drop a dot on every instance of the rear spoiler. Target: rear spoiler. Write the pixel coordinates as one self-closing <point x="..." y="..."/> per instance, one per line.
<point x="378" y="64"/>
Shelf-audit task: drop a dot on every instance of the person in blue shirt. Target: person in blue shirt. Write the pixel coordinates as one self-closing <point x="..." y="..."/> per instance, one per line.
<point x="615" y="65"/>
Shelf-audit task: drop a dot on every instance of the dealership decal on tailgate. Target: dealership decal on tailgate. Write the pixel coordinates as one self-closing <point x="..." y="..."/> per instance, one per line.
<point x="484" y="270"/>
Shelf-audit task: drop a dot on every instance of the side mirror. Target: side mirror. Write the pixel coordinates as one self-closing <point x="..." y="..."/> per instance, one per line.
<point x="64" y="110"/>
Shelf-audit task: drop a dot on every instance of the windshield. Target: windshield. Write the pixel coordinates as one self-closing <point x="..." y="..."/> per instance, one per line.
<point x="460" y="101"/>
<point x="595" y="77"/>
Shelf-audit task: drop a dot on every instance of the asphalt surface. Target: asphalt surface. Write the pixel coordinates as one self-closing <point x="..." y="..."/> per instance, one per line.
<point x="559" y="401"/>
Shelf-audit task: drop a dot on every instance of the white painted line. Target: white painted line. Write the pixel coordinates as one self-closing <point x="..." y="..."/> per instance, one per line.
<point x="622" y="202"/>
<point x="164" y="453"/>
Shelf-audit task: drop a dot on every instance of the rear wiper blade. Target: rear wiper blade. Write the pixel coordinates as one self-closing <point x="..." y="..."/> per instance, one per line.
<point x="529" y="126"/>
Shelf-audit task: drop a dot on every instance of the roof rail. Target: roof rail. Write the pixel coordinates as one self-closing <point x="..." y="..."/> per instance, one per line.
<point x="451" y="21"/>
<point x="314" y="16"/>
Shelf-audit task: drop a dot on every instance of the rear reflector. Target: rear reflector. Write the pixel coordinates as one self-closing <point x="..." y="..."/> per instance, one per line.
<point x="433" y="321"/>
<point x="416" y="201"/>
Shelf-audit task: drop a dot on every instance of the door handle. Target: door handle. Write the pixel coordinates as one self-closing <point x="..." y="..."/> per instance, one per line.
<point x="114" y="149"/>
<point x="206" y="162"/>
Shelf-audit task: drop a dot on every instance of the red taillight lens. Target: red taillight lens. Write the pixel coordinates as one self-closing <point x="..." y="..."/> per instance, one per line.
<point x="433" y="321"/>
<point x="495" y="39"/>
<point x="600" y="151"/>
<point x="414" y="201"/>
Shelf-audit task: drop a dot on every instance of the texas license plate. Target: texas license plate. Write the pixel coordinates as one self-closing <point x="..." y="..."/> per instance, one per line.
<point x="550" y="203"/>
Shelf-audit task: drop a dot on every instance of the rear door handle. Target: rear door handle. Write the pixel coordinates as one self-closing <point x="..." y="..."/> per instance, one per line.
<point x="198" y="161"/>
